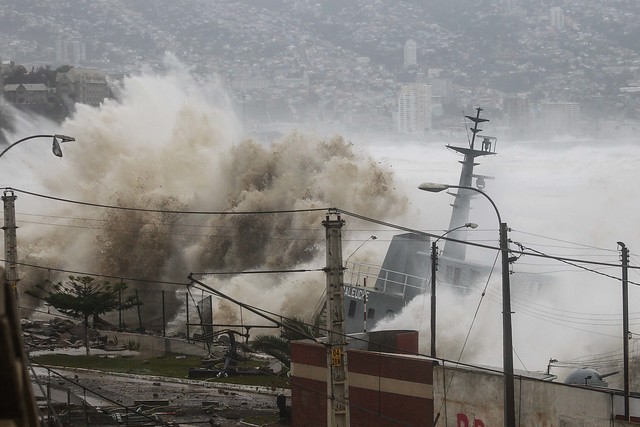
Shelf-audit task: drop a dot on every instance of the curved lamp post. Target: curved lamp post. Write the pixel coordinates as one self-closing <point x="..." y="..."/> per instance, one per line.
<point x="507" y="343"/>
<point x="434" y="267"/>
<point x="11" y="334"/>
<point x="358" y="248"/>
<point x="56" y="144"/>
<point x="10" y="214"/>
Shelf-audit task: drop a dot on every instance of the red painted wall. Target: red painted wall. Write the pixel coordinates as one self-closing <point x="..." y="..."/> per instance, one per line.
<point x="369" y="406"/>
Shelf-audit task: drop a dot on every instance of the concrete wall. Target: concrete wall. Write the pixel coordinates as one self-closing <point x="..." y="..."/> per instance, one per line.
<point x="476" y="399"/>
<point x="394" y="389"/>
<point x="156" y="345"/>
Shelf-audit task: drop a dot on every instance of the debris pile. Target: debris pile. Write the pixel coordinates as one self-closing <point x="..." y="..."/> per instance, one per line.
<point x="58" y="333"/>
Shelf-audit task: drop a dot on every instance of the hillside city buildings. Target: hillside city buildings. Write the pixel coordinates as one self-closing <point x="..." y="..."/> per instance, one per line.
<point x="75" y="85"/>
<point x="305" y="63"/>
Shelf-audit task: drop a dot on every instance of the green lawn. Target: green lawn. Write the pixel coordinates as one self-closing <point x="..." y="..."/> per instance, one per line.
<point x="165" y="366"/>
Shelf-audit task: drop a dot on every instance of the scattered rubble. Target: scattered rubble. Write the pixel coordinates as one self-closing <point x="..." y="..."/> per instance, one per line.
<point x="58" y="333"/>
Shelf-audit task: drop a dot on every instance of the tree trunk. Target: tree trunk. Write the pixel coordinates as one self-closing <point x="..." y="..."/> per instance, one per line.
<point x="86" y="334"/>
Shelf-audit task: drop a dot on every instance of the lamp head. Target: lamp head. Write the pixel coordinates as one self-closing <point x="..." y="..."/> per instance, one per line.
<point x="57" y="151"/>
<point x="433" y="187"/>
<point x="64" y="138"/>
<point x="471" y="225"/>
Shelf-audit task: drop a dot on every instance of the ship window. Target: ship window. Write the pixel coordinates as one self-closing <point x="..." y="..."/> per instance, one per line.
<point x="371" y="313"/>
<point x="352" y="308"/>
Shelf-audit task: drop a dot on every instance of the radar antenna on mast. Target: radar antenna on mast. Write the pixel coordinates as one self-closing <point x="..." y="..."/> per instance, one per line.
<point x="475" y="129"/>
<point x="462" y="202"/>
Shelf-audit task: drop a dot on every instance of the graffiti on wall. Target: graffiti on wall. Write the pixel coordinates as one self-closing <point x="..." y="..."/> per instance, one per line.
<point x="462" y="420"/>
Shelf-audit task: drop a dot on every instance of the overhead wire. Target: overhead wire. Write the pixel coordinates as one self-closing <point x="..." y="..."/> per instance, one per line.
<point x="100" y="395"/>
<point x="574" y="263"/>
<point x="540" y="314"/>
<point x="496" y="299"/>
<point x="563" y="241"/>
<point x="323" y="209"/>
<point x="535" y="253"/>
<point x="466" y="339"/>
<point x="169" y="211"/>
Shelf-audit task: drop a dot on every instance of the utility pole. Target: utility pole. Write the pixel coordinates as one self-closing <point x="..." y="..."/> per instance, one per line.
<point x="337" y="385"/>
<point x="507" y="340"/>
<point x="625" y="324"/>
<point x="434" y="269"/>
<point x="10" y="241"/>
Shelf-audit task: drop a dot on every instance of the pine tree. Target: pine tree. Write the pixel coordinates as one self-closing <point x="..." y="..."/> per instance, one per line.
<point x="84" y="297"/>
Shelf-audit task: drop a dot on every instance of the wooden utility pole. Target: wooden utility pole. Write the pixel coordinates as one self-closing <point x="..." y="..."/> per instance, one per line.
<point x="337" y="384"/>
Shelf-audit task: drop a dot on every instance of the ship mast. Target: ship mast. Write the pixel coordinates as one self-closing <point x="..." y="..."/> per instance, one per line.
<point x="462" y="203"/>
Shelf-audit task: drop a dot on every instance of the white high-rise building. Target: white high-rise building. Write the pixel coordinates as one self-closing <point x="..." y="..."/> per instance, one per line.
<point x="557" y="18"/>
<point x="62" y="52"/>
<point x="517" y="111"/>
<point x="79" y="52"/>
<point x="410" y="53"/>
<point x="414" y="108"/>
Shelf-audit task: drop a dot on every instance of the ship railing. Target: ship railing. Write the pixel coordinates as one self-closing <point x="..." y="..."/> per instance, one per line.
<point x="375" y="279"/>
<point x="381" y="280"/>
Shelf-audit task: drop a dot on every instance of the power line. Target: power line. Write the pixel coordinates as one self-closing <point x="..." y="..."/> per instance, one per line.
<point x="563" y="241"/>
<point x="113" y="402"/>
<point x="325" y="209"/>
<point x="168" y="211"/>
<point x="299" y="270"/>
<point x="573" y="263"/>
<point x="569" y="261"/>
<point x="106" y="276"/>
<point x="513" y="251"/>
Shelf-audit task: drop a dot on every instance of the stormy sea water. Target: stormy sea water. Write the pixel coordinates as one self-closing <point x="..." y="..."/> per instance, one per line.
<point x="171" y="144"/>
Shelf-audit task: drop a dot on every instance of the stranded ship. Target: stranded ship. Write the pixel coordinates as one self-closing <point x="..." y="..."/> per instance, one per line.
<point x="373" y="293"/>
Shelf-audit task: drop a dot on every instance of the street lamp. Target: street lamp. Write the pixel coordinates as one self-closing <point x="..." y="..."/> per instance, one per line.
<point x="10" y="336"/>
<point x="434" y="267"/>
<point x="56" y="144"/>
<point x="507" y="343"/>
<point x="358" y="248"/>
<point x="10" y="214"/>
